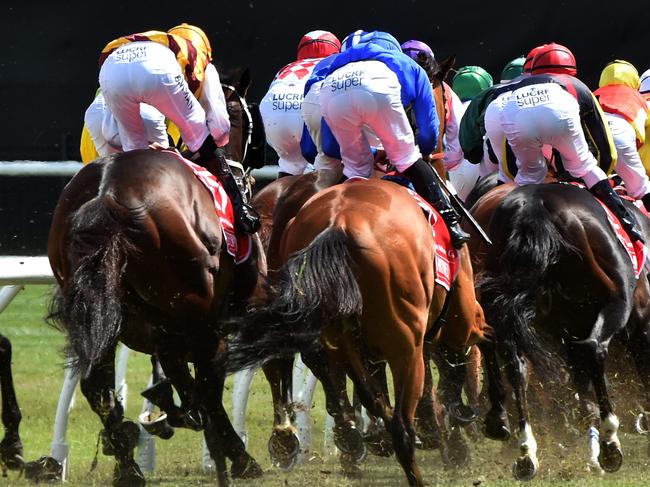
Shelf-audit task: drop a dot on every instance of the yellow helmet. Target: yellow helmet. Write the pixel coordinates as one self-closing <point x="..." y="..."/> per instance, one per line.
<point x="620" y="73"/>
<point x="195" y="35"/>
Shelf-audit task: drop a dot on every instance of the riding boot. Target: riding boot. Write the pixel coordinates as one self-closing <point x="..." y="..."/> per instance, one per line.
<point x="213" y="159"/>
<point x="282" y="174"/>
<point x="426" y="185"/>
<point x="646" y="201"/>
<point x="604" y="192"/>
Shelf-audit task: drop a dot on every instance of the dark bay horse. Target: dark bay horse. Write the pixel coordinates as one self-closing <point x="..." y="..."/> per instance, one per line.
<point x="11" y="447"/>
<point x="558" y="287"/>
<point x="139" y="256"/>
<point x="362" y="280"/>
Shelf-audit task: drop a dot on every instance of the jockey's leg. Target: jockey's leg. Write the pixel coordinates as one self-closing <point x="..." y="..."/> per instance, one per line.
<point x="424" y="180"/>
<point x="214" y="160"/>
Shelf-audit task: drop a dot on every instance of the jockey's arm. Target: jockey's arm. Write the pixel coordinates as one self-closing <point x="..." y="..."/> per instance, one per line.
<point x="453" y="151"/>
<point x="213" y="102"/>
<point x="426" y="116"/>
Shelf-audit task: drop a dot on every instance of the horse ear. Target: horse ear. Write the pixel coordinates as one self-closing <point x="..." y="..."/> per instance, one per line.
<point x="446" y="65"/>
<point x="244" y="82"/>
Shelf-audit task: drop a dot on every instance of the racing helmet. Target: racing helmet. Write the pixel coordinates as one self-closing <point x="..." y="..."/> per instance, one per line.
<point x="645" y="82"/>
<point x="528" y="62"/>
<point x="554" y="59"/>
<point x="513" y="69"/>
<point x="318" y="44"/>
<point x="620" y="72"/>
<point x="413" y="47"/>
<point x="469" y="81"/>
<point x="196" y="36"/>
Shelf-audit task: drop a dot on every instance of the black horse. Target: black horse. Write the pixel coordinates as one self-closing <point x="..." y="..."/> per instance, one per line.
<point x="11" y="448"/>
<point x="556" y="274"/>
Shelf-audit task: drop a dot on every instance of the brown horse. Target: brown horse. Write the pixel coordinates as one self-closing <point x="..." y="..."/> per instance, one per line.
<point x="557" y="275"/>
<point x="362" y="279"/>
<point x="139" y="256"/>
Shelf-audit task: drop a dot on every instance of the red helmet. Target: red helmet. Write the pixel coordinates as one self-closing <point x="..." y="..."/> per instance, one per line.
<point x="318" y="44"/>
<point x="528" y="63"/>
<point x="554" y="59"/>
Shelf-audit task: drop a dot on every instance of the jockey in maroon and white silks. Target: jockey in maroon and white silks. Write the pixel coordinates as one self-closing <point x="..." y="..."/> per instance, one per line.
<point x="281" y="107"/>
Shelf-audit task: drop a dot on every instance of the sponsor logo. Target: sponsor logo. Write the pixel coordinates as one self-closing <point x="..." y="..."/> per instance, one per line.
<point x="532" y="96"/>
<point x="287" y="102"/>
<point x="128" y="54"/>
<point x="180" y="81"/>
<point x="346" y="80"/>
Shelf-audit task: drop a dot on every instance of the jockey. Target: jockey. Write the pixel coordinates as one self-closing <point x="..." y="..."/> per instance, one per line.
<point x="627" y="113"/>
<point x="370" y="83"/>
<point x="553" y="107"/>
<point x="172" y="71"/>
<point x="102" y="127"/>
<point x="469" y="81"/>
<point x="282" y="105"/>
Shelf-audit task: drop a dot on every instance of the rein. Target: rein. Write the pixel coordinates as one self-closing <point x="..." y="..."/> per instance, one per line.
<point x="249" y="117"/>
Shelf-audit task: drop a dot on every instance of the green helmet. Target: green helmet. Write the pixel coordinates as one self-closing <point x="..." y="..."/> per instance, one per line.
<point x="470" y="81"/>
<point x="513" y="69"/>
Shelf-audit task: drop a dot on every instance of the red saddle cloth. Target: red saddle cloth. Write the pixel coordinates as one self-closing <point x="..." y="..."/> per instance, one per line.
<point x="447" y="257"/>
<point x="238" y="244"/>
<point x="636" y="251"/>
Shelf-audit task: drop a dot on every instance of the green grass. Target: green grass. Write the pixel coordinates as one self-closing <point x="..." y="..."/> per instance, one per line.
<point x="38" y="376"/>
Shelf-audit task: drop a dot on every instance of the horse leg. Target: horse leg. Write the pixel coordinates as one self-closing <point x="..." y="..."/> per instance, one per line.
<point x="121" y="435"/>
<point x="284" y="444"/>
<point x="377" y="438"/>
<point x="221" y="438"/>
<point x="11" y="448"/>
<point x="429" y="413"/>
<point x="472" y="388"/>
<point x="639" y="348"/>
<point x="496" y="419"/>
<point x="525" y="467"/>
<point x="327" y="368"/>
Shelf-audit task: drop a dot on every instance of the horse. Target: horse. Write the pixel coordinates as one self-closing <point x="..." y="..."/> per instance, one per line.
<point x="138" y="253"/>
<point x="341" y="272"/>
<point x="556" y="274"/>
<point x="11" y="447"/>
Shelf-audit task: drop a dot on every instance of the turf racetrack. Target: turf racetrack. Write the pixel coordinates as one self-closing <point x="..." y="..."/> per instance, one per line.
<point x="38" y="376"/>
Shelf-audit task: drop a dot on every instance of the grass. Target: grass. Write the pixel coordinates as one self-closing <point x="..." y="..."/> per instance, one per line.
<point x="38" y="376"/>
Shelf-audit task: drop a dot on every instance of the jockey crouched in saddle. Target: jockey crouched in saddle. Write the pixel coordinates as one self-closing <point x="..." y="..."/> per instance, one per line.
<point x="282" y="105"/>
<point x="172" y="71"/>
<point x="627" y="113"/>
<point x="552" y="107"/>
<point x="369" y="84"/>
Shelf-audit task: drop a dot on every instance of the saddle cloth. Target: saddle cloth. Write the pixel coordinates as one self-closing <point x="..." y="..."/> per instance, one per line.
<point x="447" y="257"/>
<point x="636" y="251"/>
<point x="238" y="244"/>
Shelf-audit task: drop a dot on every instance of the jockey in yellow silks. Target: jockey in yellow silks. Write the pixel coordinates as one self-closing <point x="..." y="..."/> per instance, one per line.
<point x="627" y="115"/>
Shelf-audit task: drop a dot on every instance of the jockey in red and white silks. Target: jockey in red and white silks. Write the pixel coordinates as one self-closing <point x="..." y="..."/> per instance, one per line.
<point x="281" y="107"/>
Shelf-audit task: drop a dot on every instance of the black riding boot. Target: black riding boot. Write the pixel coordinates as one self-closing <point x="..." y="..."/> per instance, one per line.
<point x="213" y="159"/>
<point x="426" y="185"/>
<point x="604" y="192"/>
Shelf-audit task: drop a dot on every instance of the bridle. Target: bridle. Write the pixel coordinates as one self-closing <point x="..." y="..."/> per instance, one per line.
<point x="249" y="118"/>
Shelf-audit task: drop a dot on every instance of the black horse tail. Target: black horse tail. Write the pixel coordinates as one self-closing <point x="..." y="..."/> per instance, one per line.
<point x="529" y="244"/>
<point x="317" y="287"/>
<point x="89" y="308"/>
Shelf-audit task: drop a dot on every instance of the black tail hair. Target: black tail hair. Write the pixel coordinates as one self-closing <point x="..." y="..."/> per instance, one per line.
<point x="317" y="286"/>
<point x="89" y="309"/>
<point x="530" y="243"/>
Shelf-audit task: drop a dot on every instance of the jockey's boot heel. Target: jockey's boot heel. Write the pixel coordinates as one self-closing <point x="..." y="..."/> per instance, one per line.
<point x="604" y="192"/>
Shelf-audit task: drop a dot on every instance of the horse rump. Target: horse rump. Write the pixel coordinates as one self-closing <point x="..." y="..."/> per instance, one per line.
<point x="317" y="286"/>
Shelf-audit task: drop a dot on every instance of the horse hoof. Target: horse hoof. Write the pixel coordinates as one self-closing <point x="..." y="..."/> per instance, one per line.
<point x="379" y="443"/>
<point x="457" y="454"/>
<point x="641" y="424"/>
<point x="461" y="415"/>
<point x="45" y="469"/>
<point x="247" y="468"/>
<point x="130" y="476"/>
<point x="610" y="457"/>
<point x="349" y="440"/>
<point x="156" y="427"/>
<point x="428" y="436"/>
<point x="11" y="455"/>
<point x="524" y="469"/>
<point x="496" y="427"/>
<point x="284" y="446"/>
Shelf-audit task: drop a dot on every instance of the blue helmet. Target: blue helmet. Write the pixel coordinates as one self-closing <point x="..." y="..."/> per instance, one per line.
<point x="383" y="39"/>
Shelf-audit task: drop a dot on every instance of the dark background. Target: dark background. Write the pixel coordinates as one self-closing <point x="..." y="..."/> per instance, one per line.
<point x="48" y="65"/>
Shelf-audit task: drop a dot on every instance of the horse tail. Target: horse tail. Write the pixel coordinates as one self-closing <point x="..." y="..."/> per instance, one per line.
<point x="89" y="306"/>
<point x="529" y="244"/>
<point x="317" y="286"/>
